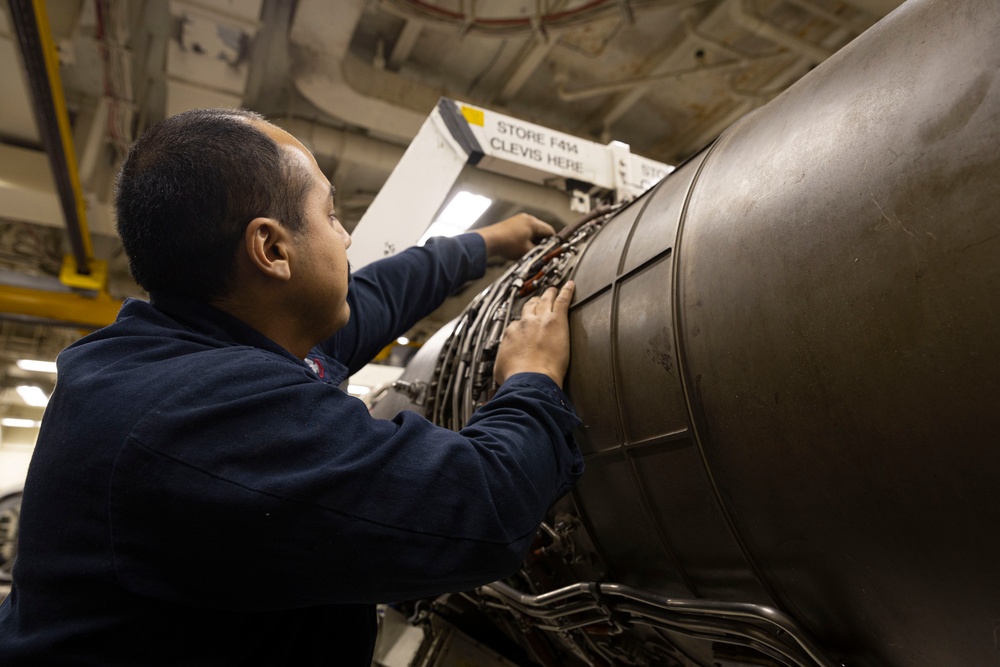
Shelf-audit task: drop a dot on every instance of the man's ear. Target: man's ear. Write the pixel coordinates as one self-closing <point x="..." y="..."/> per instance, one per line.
<point x="268" y="246"/>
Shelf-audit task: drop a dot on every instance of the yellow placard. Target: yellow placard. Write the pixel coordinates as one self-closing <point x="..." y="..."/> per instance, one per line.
<point x="474" y="116"/>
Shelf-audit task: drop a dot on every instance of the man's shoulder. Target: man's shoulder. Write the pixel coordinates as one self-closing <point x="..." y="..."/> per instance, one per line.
<point x="146" y="347"/>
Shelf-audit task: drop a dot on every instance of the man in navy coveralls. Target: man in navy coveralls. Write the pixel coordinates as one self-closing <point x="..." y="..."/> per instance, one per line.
<point x="203" y="493"/>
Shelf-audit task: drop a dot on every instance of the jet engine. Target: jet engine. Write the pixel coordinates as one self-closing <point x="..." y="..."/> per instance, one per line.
<point x="786" y="357"/>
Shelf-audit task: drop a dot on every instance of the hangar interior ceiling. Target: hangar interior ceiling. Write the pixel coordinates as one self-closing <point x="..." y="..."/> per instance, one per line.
<point x="354" y="79"/>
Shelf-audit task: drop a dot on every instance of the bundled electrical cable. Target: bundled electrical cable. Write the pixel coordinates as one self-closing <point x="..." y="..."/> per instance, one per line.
<point x="113" y="37"/>
<point x="463" y="378"/>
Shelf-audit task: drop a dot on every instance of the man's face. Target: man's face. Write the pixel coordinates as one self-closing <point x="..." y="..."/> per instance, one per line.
<point x="319" y="261"/>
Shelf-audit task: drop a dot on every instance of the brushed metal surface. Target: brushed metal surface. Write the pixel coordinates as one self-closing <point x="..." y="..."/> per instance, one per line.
<point x="787" y="356"/>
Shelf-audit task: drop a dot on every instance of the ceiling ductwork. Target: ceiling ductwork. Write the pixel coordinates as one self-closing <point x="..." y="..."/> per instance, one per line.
<point x="324" y="70"/>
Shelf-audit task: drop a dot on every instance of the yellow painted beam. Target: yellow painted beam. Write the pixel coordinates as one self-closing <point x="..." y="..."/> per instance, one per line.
<point x="51" y="56"/>
<point x="41" y="62"/>
<point x="90" y="312"/>
<point x="96" y="279"/>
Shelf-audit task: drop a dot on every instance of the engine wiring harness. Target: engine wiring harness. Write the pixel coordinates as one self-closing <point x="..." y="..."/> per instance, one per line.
<point x="463" y="378"/>
<point x="584" y="623"/>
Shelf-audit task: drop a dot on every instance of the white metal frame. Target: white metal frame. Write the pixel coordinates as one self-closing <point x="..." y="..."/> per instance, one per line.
<point x="455" y="135"/>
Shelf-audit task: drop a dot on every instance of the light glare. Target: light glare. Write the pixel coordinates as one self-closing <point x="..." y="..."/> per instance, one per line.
<point x="38" y="366"/>
<point x="461" y="213"/>
<point x="32" y="395"/>
<point x="14" y="422"/>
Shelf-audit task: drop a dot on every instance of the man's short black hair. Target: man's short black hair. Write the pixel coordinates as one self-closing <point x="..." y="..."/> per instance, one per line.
<point x="187" y="190"/>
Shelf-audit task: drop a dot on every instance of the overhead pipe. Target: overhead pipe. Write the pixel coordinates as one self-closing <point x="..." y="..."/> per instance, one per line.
<point x="752" y="99"/>
<point x="669" y="61"/>
<point x="854" y="24"/>
<point x="574" y="94"/>
<point x="748" y="102"/>
<point x="749" y="20"/>
<point x="734" y="10"/>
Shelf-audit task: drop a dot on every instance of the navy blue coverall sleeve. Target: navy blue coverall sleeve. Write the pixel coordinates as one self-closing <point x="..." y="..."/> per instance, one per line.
<point x="198" y="494"/>
<point x="290" y="483"/>
<point x="389" y="296"/>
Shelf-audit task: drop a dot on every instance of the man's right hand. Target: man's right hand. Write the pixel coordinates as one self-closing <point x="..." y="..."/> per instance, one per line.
<point x="516" y="235"/>
<point x="539" y="341"/>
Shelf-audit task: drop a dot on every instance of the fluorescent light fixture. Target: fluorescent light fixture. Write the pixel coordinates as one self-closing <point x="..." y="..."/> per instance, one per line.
<point x="32" y="395"/>
<point x="39" y="366"/>
<point x="357" y="389"/>
<point x="14" y="422"/>
<point x="403" y="340"/>
<point x="461" y="213"/>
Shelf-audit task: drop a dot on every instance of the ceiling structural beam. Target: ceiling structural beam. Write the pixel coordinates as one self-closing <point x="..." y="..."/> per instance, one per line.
<point x="533" y="54"/>
<point x="693" y="31"/>
<point x="734" y="10"/>
<point x="404" y="44"/>
<point x="527" y="64"/>
<point x="794" y="71"/>
<point x="28" y="193"/>
<point x="59" y="307"/>
<point x="750" y="100"/>
<point x="324" y="38"/>
<point x="856" y="24"/>
<point x="42" y="66"/>
<point x="626" y="11"/>
<point x="95" y="138"/>
<point x="747" y="19"/>
<point x="676" y="57"/>
<point x="571" y="95"/>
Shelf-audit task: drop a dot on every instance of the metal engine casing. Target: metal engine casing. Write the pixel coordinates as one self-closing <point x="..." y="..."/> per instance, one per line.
<point x="786" y="356"/>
